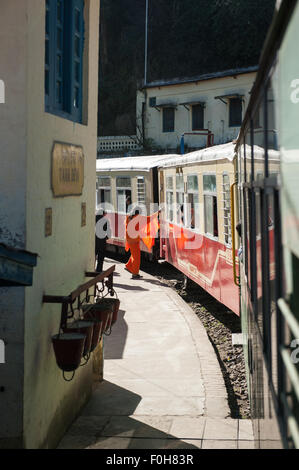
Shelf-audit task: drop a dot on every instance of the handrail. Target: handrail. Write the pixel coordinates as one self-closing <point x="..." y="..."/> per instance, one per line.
<point x="232" y="205"/>
<point x="289" y="316"/>
<point x="292" y="371"/>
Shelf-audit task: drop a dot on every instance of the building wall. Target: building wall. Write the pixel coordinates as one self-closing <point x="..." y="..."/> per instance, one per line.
<point x="13" y="157"/>
<point x="216" y="113"/>
<point x="49" y="403"/>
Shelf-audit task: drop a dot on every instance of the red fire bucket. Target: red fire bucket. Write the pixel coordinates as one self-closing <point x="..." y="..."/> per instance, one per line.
<point x="97" y="329"/>
<point x="84" y="327"/>
<point x="101" y="310"/>
<point x="68" y="348"/>
<point x="115" y="303"/>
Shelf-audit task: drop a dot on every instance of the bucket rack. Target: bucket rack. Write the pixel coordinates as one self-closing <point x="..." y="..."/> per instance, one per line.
<point x="67" y="302"/>
<point x="101" y="285"/>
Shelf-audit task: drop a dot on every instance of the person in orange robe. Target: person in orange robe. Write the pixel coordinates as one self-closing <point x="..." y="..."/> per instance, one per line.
<point x="133" y="244"/>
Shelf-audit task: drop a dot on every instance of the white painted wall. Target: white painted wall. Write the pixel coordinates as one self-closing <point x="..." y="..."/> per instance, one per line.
<point x="216" y="114"/>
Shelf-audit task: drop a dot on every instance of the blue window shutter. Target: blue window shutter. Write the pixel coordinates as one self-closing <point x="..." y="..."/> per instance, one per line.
<point x="49" y="53"/>
<point x="59" y="54"/>
<point x="77" y="58"/>
<point x="64" y="43"/>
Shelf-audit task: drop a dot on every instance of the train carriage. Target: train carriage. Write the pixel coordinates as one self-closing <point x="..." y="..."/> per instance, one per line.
<point x="268" y="207"/>
<point x="123" y="183"/>
<point x="196" y="232"/>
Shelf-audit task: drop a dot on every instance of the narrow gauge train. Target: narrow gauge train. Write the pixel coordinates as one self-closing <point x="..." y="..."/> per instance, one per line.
<point x="193" y="192"/>
<point x="123" y="183"/>
<point x="268" y="196"/>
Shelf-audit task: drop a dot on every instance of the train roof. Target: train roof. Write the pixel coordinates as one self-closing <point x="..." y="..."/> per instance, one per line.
<point x="141" y="163"/>
<point x="217" y="152"/>
<point x="146" y="163"/>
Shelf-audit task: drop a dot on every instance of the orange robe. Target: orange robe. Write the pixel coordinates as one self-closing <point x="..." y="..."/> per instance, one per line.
<point x="133" y="244"/>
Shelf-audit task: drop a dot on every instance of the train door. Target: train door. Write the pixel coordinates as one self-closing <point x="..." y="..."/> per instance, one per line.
<point x="162" y="214"/>
<point x="123" y="201"/>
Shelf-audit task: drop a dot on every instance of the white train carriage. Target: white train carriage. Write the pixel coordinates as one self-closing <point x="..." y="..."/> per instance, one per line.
<point x="123" y="183"/>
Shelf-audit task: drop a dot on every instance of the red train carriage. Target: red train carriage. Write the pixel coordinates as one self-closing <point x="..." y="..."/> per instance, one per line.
<point x="196" y="234"/>
<point x="193" y="193"/>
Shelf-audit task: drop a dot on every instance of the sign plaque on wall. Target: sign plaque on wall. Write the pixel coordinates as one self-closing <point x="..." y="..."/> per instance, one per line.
<point x="67" y="170"/>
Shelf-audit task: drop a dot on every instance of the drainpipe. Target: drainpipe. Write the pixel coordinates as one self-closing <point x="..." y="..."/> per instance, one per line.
<point x="144" y="116"/>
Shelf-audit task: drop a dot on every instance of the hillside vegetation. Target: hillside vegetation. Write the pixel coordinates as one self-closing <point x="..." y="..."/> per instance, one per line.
<point x="185" y="38"/>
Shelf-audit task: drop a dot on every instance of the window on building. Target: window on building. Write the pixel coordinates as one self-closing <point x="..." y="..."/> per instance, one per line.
<point x="103" y="190"/>
<point x="64" y="38"/>
<point x="169" y="198"/>
<point x="152" y="101"/>
<point x="168" y="119"/>
<point x="192" y="207"/>
<point x="226" y="209"/>
<point x="197" y="117"/>
<point x="235" y="112"/>
<point x="124" y="194"/>
<point x="210" y="205"/>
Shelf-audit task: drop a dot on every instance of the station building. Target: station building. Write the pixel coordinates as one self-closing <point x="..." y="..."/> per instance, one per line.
<point x="207" y="109"/>
<point x="48" y="134"/>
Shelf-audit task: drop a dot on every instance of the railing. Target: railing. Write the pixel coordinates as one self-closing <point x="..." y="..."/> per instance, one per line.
<point x="291" y="370"/>
<point x="203" y="132"/>
<point x="117" y="143"/>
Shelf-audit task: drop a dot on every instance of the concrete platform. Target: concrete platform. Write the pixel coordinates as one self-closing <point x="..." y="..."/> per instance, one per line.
<point x="163" y="387"/>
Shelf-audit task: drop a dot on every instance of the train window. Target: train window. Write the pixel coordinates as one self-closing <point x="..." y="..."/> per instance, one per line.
<point x="123" y="182"/>
<point x="235" y="112"/>
<point x="124" y="193"/>
<point x="197" y="117"/>
<point x="258" y="141"/>
<point x="192" y="207"/>
<point x="180" y="198"/>
<point x="168" y="119"/>
<point x="226" y="208"/>
<point x="258" y="251"/>
<point x="210" y="205"/>
<point x="169" y="198"/>
<point x="103" y="190"/>
<point x="209" y="183"/>
<point x="271" y="115"/>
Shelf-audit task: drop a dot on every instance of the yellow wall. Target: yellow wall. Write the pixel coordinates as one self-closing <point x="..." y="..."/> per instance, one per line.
<point x="49" y="403"/>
